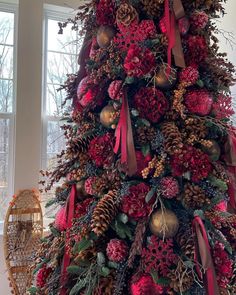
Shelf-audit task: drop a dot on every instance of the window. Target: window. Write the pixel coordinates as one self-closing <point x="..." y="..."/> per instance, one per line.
<point x="61" y="53"/>
<point x="7" y="103"/>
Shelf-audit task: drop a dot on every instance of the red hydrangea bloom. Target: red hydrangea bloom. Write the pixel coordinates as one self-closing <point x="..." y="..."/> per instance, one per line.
<point x="143" y="284"/>
<point x="42" y="276"/>
<point x="192" y="160"/>
<point x="134" y="204"/>
<point x="139" y="61"/>
<point x="151" y="103"/>
<point x="189" y="75"/>
<point x="117" y="250"/>
<point x="101" y="150"/>
<point x="198" y="102"/>
<point x="105" y="14"/>
<point x="223" y="265"/>
<point x="197" y="50"/>
<point x="148" y="29"/>
<point x="169" y="187"/>
<point x="199" y="19"/>
<point x="88" y="185"/>
<point x="115" y="90"/>
<point x="222" y="108"/>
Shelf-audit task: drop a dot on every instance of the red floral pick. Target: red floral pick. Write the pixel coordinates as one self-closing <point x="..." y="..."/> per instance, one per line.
<point x="222" y="108"/>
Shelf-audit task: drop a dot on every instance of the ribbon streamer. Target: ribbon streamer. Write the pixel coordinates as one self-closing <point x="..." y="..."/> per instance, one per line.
<point x="173" y="34"/>
<point x="70" y="209"/>
<point x="203" y="255"/>
<point x="124" y="139"/>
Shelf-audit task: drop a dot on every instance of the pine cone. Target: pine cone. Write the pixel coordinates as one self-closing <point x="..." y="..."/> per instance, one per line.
<point x="219" y="171"/>
<point x="145" y="134"/>
<point x="194" y="197"/>
<point x="194" y="130"/>
<point x="104" y="213"/>
<point x="185" y="240"/>
<point x="153" y="7"/>
<point x="105" y="286"/>
<point x="173" y="139"/>
<point x="181" y="279"/>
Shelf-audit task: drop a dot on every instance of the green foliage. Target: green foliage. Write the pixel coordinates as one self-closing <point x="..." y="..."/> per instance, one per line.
<point x="82" y="245"/>
<point x="220" y="184"/>
<point x="145" y="149"/>
<point x="50" y="202"/>
<point x="78" y="286"/>
<point x="101" y="259"/>
<point x="55" y="232"/>
<point x="74" y="269"/>
<point x="122" y="217"/>
<point x="123" y="230"/>
<point x="33" y="290"/>
<point x="105" y="271"/>
<point x="160" y="281"/>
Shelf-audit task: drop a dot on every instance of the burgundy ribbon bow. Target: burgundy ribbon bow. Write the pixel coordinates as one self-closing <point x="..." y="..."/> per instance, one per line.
<point x="202" y="255"/>
<point x="70" y="209"/>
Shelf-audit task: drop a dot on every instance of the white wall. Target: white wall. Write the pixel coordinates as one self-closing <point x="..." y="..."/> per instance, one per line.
<point x="29" y="73"/>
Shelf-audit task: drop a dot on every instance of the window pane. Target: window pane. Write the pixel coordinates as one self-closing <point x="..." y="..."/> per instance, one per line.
<point x="55" y="141"/>
<point x="4" y="167"/>
<point x="59" y="65"/>
<point x="6" y="62"/>
<point x="6" y="96"/>
<point x="55" y="99"/>
<point x="63" y="43"/>
<point x="6" y="28"/>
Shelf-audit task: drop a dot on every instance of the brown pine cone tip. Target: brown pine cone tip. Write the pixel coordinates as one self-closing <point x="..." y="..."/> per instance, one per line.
<point x="185" y="240"/>
<point x="194" y="197"/>
<point x="104" y="213"/>
<point x="145" y="134"/>
<point x="173" y="139"/>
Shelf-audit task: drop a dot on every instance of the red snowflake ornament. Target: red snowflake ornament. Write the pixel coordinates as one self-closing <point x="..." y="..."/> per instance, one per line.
<point x="222" y="108"/>
<point x="159" y="256"/>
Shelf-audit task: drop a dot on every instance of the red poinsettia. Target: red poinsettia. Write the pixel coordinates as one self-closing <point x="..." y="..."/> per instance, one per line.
<point x="134" y="204"/>
<point x="151" y="103"/>
<point x="139" y="61"/>
<point x="192" y="160"/>
<point x="101" y="150"/>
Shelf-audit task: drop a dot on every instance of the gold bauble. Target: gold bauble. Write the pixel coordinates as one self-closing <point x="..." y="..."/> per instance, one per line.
<point x="81" y="193"/>
<point x="164" y="223"/>
<point x="104" y="36"/>
<point x="108" y="116"/>
<point x="213" y="151"/>
<point x="165" y="80"/>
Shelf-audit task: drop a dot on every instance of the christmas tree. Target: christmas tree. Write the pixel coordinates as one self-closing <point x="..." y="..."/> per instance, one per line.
<point x="149" y="167"/>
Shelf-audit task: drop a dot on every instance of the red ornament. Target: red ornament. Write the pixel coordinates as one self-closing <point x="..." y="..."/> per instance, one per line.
<point x="86" y="92"/>
<point x="151" y="103"/>
<point x="139" y="61"/>
<point x="60" y="219"/>
<point x="222" y="108"/>
<point x="117" y="250"/>
<point x="143" y="284"/>
<point x="159" y="256"/>
<point x="169" y="187"/>
<point x="199" y="102"/>
<point x="134" y="204"/>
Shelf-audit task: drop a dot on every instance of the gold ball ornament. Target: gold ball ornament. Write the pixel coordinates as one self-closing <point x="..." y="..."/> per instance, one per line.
<point x="164" y="223"/>
<point x="108" y="116"/>
<point x="213" y="151"/>
<point x="165" y="79"/>
<point x="81" y="193"/>
<point x="104" y="36"/>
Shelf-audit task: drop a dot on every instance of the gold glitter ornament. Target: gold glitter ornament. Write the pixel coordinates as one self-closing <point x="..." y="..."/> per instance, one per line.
<point x="164" y="223"/>
<point x="165" y="80"/>
<point x="108" y="116"/>
<point x="104" y="36"/>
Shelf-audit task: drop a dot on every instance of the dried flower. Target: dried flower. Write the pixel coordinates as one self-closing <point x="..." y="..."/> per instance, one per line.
<point x="117" y="250"/>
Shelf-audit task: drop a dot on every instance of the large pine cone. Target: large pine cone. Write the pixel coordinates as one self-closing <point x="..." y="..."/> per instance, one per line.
<point x="104" y="213"/>
<point x="173" y="139"/>
<point x="185" y="240"/>
<point x="194" y="197"/>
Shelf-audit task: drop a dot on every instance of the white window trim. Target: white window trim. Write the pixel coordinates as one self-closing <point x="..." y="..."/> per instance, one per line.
<point x="11" y="8"/>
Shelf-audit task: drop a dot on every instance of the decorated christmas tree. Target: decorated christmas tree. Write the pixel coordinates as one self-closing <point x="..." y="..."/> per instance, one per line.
<point x="149" y="167"/>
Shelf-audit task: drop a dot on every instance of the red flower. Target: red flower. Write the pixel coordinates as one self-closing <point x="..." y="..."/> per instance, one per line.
<point x="42" y="276"/>
<point x="101" y="150"/>
<point x="192" y="160"/>
<point x="82" y="208"/>
<point x="199" y="102"/>
<point x="105" y="14"/>
<point x="199" y="19"/>
<point x="115" y="90"/>
<point x="197" y="50"/>
<point x="151" y="103"/>
<point x="169" y="187"/>
<point x="134" y="204"/>
<point x="189" y="75"/>
<point x="143" y="284"/>
<point x="139" y="61"/>
<point x="223" y="265"/>
<point x="117" y="250"/>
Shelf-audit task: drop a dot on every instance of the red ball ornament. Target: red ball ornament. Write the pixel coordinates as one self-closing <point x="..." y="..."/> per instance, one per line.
<point x="199" y="102"/>
<point x="86" y="92"/>
<point x="143" y="284"/>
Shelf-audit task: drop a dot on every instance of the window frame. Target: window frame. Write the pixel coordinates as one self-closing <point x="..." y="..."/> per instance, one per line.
<point x="11" y="8"/>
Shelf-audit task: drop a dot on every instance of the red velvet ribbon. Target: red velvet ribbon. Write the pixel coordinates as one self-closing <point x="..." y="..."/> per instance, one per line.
<point x="202" y="255"/>
<point x="70" y="209"/>
<point x="124" y="139"/>
<point x="173" y="34"/>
